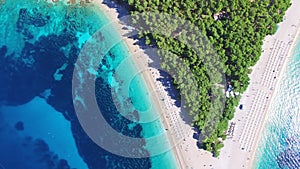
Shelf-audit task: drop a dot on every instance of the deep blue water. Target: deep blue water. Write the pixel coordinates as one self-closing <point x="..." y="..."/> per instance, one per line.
<point x="39" y="45"/>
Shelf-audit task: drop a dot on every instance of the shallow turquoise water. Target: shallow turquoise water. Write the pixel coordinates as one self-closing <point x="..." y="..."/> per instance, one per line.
<point x="133" y="85"/>
<point x="280" y="143"/>
<point x="46" y="26"/>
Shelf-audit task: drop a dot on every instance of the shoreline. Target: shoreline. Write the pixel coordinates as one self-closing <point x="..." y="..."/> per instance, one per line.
<point x="264" y="80"/>
<point x="283" y="70"/>
<point x="135" y="50"/>
<point x="240" y="150"/>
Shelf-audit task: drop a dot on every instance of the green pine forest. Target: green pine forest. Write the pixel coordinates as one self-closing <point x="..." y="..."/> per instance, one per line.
<point x="235" y="38"/>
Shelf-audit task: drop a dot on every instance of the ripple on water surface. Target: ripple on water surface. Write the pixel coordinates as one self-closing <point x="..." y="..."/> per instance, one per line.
<point x="280" y="143"/>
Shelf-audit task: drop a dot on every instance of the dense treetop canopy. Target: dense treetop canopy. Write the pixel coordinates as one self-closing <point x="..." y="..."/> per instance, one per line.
<point x="235" y="30"/>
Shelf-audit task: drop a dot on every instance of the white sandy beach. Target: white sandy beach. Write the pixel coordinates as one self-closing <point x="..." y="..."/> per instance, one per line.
<point x="239" y="150"/>
<point x="176" y="128"/>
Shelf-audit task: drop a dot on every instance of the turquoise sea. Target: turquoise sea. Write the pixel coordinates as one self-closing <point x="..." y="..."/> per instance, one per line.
<point x="279" y="146"/>
<point x="39" y="45"/>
